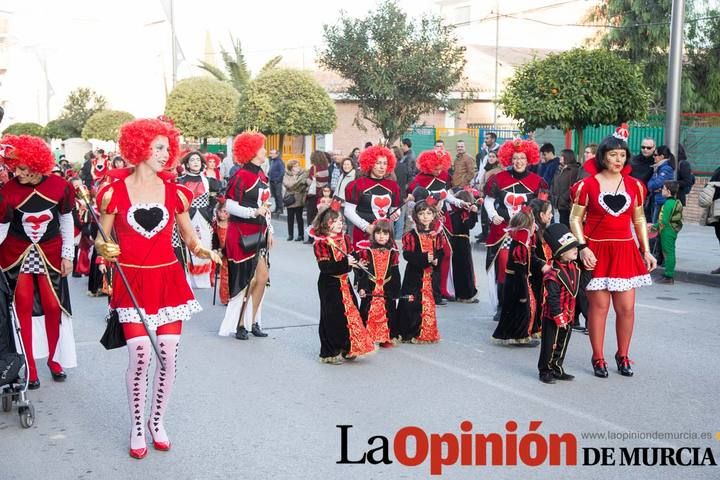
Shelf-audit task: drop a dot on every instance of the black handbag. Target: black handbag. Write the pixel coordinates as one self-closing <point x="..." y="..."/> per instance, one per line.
<point x="289" y="199"/>
<point x="113" y="337"/>
<point x="249" y="243"/>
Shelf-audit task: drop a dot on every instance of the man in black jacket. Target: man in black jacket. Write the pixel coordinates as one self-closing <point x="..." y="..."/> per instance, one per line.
<point x="642" y="163"/>
<point x="405" y="172"/>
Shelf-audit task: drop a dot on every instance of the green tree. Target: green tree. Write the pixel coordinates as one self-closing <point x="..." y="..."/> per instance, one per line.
<point x="640" y="33"/>
<point x="398" y="68"/>
<point x="61" y="128"/>
<point x="236" y="71"/>
<point x="105" y="125"/>
<point x="80" y="105"/>
<point x="286" y="102"/>
<point x="203" y="107"/>
<point x="703" y="66"/>
<point x="575" y="89"/>
<point x="27" y="128"/>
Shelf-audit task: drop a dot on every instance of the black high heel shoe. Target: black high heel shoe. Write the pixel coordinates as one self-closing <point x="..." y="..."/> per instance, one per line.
<point x="600" y="367"/>
<point x="623" y="365"/>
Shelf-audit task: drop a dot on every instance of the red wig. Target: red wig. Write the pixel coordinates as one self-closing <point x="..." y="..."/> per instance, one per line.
<point x="214" y="158"/>
<point x="136" y="138"/>
<point x="246" y="146"/>
<point x="510" y="147"/>
<point x="429" y="160"/>
<point x="370" y="155"/>
<point x="27" y="150"/>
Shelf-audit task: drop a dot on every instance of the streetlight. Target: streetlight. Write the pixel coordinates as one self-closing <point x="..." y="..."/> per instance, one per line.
<point x="672" y="102"/>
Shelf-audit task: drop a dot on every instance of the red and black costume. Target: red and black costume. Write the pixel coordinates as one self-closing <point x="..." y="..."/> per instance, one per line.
<point x="416" y="319"/>
<point x="505" y="194"/>
<point x="36" y="234"/>
<point x="461" y="221"/>
<point x="341" y="329"/>
<point x="144" y="234"/>
<point x="204" y="190"/>
<point x="378" y="309"/>
<point x="519" y="303"/>
<point x="247" y="191"/>
<point x="368" y="199"/>
<point x="543" y="252"/>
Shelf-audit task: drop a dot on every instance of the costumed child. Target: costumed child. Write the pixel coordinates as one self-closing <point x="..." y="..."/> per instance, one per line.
<point x="220" y="228"/>
<point x="542" y="214"/>
<point x="379" y="292"/>
<point x="342" y="333"/>
<point x="325" y="198"/>
<point x="423" y="249"/>
<point x="669" y="225"/>
<point x="518" y="301"/>
<point x="562" y="283"/>
<point x="463" y="220"/>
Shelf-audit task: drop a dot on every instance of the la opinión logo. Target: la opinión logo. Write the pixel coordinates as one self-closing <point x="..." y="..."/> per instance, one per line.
<point x="411" y="446"/>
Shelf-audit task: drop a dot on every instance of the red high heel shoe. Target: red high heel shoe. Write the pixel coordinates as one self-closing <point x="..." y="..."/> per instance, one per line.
<point x="162" y="446"/>
<point x="138" y="453"/>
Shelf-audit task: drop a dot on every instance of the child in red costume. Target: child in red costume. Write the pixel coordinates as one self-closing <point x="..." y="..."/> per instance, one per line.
<point x="36" y="251"/>
<point x="142" y="207"/>
<point x="379" y="293"/>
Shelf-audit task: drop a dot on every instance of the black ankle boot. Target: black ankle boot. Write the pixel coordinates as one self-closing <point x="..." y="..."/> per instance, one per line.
<point x="241" y="334"/>
<point x="600" y="368"/>
<point x="290" y="238"/>
<point x="623" y="365"/>
<point x="257" y="332"/>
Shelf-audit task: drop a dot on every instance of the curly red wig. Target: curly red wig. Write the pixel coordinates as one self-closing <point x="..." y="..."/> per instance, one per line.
<point x="136" y="138"/>
<point x="429" y="160"/>
<point x="510" y="147"/>
<point x="30" y="151"/>
<point x="370" y="155"/>
<point x="214" y="158"/>
<point x="246" y="146"/>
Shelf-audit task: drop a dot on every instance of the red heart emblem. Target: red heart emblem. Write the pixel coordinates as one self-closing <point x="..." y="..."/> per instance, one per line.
<point x="381" y="202"/>
<point x="37" y="221"/>
<point x="265" y="195"/>
<point x="514" y="200"/>
<point x="443" y="194"/>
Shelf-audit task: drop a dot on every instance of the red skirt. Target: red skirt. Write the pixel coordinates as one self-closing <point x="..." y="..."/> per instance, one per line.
<point x="619" y="267"/>
<point x="162" y="293"/>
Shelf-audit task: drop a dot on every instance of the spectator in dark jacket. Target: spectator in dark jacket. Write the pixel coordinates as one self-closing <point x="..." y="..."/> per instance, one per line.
<point x="642" y="163"/>
<point x="663" y="170"/>
<point x="86" y="170"/>
<point x="276" y="173"/>
<point x="409" y="159"/>
<point x="565" y="177"/>
<point x="549" y="163"/>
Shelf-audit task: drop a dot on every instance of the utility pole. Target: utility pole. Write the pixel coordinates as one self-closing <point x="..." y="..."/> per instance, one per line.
<point x="497" y="47"/>
<point x="672" y="99"/>
<point x="174" y="43"/>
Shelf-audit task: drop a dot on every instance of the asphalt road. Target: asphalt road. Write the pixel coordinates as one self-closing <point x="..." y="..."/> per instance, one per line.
<point x="266" y="408"/>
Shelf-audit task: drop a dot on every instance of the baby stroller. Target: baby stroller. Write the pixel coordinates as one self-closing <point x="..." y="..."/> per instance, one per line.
<point x="13" y="364"/>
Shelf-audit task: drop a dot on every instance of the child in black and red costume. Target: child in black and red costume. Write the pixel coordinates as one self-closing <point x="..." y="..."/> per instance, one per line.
<point x="379" y="293"/>
<point x="562" y="283"/>
<point x="342" y="333"/>
<point x="423" y="249"/>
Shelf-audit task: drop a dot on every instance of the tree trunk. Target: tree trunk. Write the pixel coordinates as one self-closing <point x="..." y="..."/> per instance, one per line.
<point x="580" y="129"/>
<point x="280" y="144"/>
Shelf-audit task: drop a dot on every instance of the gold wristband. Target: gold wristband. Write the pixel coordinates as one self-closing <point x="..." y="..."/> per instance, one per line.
<point x="577" y="217"/>
<point x="641" y="229"/>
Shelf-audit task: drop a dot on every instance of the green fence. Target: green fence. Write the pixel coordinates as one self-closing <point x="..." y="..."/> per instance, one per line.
<point x="422" y="138"/>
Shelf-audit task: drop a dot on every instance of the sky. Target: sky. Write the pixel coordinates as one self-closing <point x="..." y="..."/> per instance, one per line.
<point x="122" y="49"/>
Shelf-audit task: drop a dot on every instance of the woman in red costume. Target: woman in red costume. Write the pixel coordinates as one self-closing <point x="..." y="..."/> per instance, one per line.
<point x="36" y="251"/>
<point x="141" y="207"/>
<point x="249" y="238"/>
<point x="374" y="195"/>
<point x="605" y="204"/>
<point x="505" y="194"/>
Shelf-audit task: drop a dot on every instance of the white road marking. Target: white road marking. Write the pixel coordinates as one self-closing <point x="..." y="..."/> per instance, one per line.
<point x="662" y="309"/>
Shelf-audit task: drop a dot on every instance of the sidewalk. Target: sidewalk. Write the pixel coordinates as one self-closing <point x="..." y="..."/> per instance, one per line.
<point x="698" y="253"/>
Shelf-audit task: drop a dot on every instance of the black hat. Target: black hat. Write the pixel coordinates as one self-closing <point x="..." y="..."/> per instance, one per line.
<point x="559" y="238"/>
